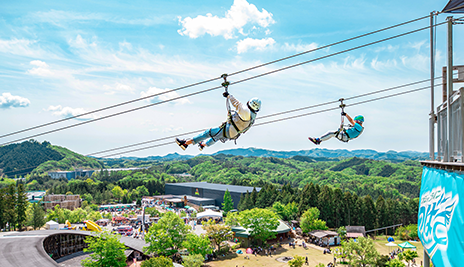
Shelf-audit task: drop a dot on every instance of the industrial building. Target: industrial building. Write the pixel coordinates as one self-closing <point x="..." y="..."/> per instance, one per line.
<point x="69" y="202"/>
<point x="71" y="174"/>
<point x="208" y="191"/>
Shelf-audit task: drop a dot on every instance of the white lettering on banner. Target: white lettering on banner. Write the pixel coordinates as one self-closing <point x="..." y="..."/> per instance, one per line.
<point x="435" y="215"/>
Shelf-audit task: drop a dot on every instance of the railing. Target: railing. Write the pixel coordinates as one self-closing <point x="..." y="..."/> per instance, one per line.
<point x="452" y="148"/>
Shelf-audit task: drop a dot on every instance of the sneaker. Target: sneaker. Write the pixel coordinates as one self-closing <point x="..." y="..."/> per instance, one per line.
<point x="201" y="145"/>
<point x="181" y="143"/>
<point x="316" y="141"/>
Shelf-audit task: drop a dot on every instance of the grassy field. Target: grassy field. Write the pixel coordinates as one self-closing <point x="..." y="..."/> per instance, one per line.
<point x="315" y="256"/>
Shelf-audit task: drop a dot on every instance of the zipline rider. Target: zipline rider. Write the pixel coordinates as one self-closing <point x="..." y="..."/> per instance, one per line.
<point x="239" y="121"/>
<point x="353" y="131"/>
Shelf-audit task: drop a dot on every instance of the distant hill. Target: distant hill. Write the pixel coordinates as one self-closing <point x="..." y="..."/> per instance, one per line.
<point x="317" y="154"/>
<point x="23" y="158"/>
<point x="327" y="153"/>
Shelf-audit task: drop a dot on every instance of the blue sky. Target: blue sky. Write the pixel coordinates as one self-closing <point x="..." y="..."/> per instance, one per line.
<point x="59" y="59"/>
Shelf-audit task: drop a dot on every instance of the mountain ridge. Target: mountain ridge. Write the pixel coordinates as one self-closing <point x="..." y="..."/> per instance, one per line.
<point x="315" y="153"/>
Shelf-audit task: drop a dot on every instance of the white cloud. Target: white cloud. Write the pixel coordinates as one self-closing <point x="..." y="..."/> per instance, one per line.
<point x="8" y="100"/>
<point x="41" y="69"/>
<point x="22" y="47"/>
<point x="240" y="14"/>
<point x="163" y="97"/>
<point x="258" y="44"/>
<point x="118" y="87"/>
<point x="299" y="47"/>
<point x="68" y="112"/>
<point x="62" y="18"/>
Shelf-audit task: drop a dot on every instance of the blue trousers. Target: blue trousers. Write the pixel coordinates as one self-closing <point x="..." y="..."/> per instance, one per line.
<point x="213" y="135"/>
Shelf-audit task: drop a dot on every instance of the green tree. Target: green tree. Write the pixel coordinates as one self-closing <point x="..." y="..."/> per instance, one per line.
<point x="228" y="203"/>
<point x="232" y="219"/>
<point x="218" y="232"/>
<point x="21" y="206"/>
<point x="197" y="244"/>
<point x="382" y="215"/>
<point x="106" y="250"/>
<point x="261" y="222"/>
<point x="310" y="221"/>
<point x="142" y="191"/>
<point x="395" y="263"/>
<point x="195" y="260"/>
<point x="341" y="231"/>
<point x="117" y="192"/>
<point x="38" y="217"/>
<point x="297" y="261"/>
<point x="360" y="252"/>
<point x="2" y="208"/>
<point x="408" y="255"/>
<point x="166" y="236"/>
<point x="160" y="261"/>
<point x="10" y="202"/>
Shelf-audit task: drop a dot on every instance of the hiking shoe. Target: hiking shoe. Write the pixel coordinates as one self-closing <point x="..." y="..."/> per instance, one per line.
<point x="181" y="143"/>
<point x="201" y="145"/>
<point x="316" y="141"/>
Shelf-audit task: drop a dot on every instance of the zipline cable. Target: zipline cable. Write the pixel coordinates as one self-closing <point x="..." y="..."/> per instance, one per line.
<point x="213" y="79"/>
<point x="266" y="116"/>
<point x="287" y="118"/>
<point x="263" y="123"/>
<point x="217" y="87"/>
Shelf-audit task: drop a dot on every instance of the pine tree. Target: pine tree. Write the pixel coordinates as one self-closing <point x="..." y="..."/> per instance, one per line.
<point x="10" y="202"/>
<point x="369" y="212"/>
<point x="241" y="203"/>
<point x="228" y="203"/>
<point x="253" y="198"/>
<point x="2" y="208"/>
<point x="339" y="207"/>
<point x="382" y="215"/>
<point x="21" y="206"/>
<point x="326" y="205"/>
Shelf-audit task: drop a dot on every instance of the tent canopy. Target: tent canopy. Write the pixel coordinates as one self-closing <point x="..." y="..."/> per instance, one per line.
<point x="209" y="213"/>
<point x="406" y="245"/>
<point x="391" y="244"/>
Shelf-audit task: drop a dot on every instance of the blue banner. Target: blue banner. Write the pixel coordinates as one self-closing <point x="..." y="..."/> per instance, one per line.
<point x="440" y="223"/>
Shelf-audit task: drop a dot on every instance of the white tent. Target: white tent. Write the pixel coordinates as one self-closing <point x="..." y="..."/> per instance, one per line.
<point x="209" y="213"/>
<point x="52" y="225"/>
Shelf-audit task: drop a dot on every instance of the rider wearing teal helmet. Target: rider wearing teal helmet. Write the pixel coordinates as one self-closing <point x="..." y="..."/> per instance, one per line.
<point x="342" y="134"/>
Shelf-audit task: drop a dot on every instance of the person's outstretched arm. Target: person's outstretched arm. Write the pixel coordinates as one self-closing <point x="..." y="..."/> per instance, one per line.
<point x="350" y="119"/>
<point x="243" y="112"/>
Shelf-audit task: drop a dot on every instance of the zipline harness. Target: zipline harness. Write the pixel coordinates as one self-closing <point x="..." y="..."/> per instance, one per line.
<point x="342" y="125"/>
<point x="231" y="114"/>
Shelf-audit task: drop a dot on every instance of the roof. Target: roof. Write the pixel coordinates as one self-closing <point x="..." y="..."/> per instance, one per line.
<point x="26" y="248"/>
<point x="452" y="4"/>
<point x="219" y="187"/>
<point x="209" y="213"/>
<point x="322" y="233"/>
<point x="242" y="232"/>
<point x="174" y="200"/>
<point x="355" y="229"/>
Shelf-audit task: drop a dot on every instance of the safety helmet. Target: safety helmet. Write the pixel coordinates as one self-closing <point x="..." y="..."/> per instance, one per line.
<point x="254" y="104"/>
<point x="359" y="118"/>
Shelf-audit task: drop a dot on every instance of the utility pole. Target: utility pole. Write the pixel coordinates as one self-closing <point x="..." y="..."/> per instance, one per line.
<point x="432" y="86"/>
<point x="449" y="127"/>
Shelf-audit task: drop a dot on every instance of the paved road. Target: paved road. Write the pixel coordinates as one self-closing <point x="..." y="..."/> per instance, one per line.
<point x="26" y="248"/>
<point x="24" y="251"/>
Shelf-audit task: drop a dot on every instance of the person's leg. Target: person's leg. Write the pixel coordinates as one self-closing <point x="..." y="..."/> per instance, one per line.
<point x="203" y="136"/>
<point x="327" y="136"/>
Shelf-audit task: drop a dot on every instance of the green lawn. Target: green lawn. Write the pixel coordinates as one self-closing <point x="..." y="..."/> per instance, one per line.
<point x="314" y="256"/>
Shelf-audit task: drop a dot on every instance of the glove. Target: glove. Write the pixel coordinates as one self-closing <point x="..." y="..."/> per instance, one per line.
<point x="225" y="94"/>
<point x="343" y="114"/>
